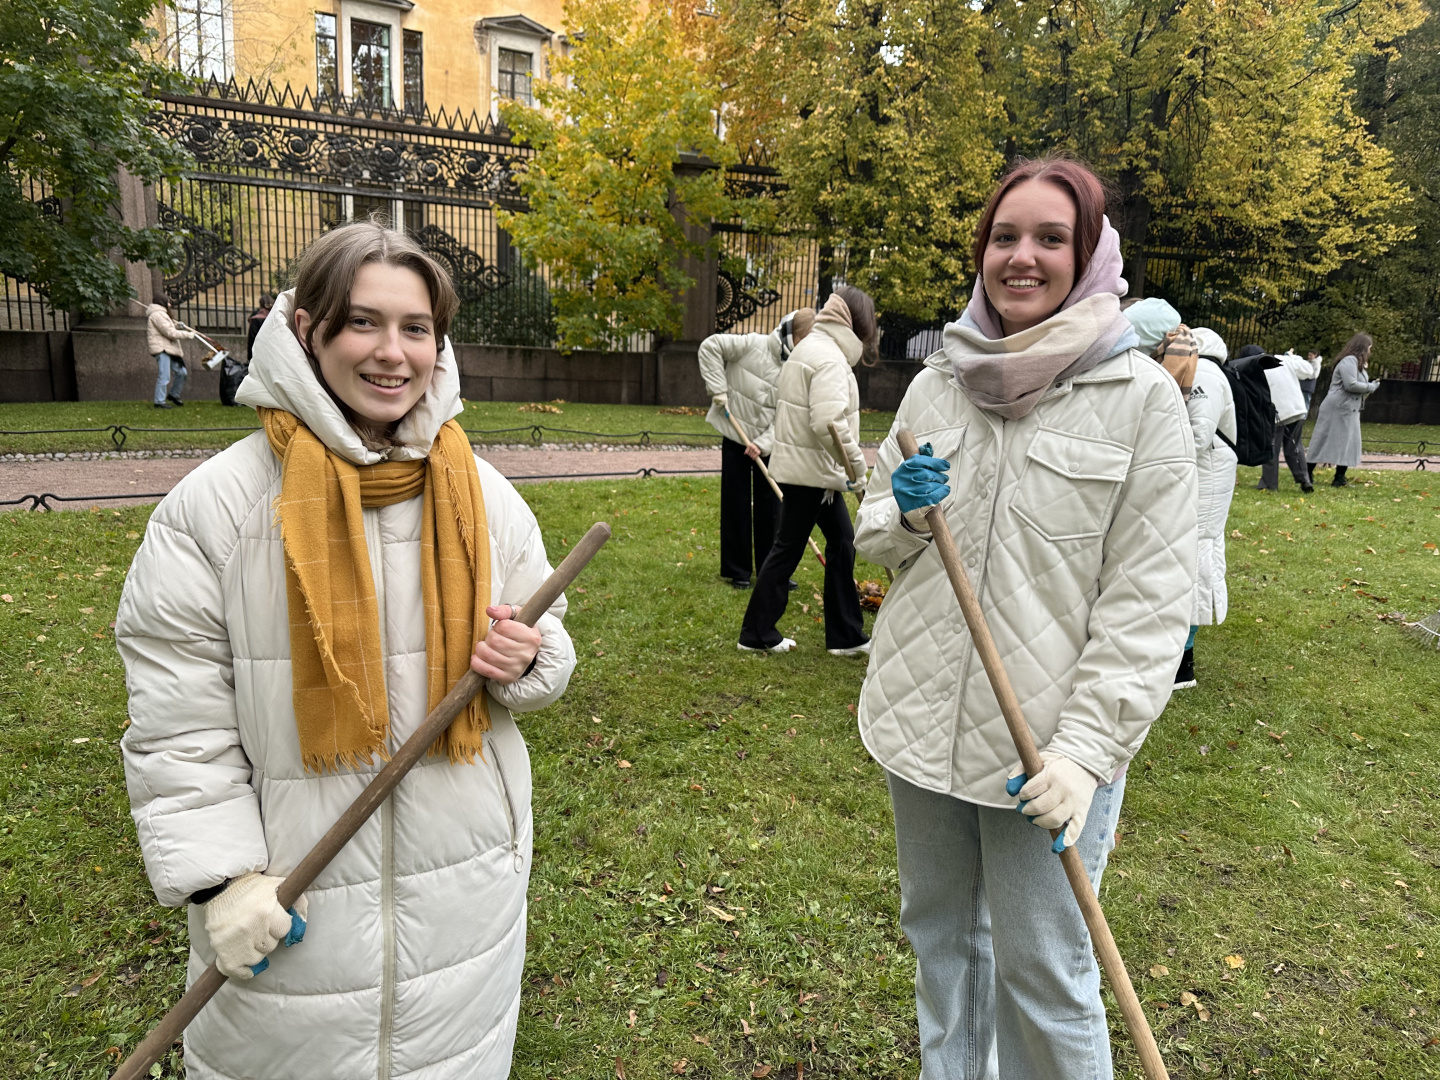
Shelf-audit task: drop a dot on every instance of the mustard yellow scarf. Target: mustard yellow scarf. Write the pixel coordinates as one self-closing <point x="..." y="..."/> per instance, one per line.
<point x="336" y="662"/>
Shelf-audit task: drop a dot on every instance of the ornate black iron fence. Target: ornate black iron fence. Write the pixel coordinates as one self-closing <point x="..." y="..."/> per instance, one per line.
<point x="273" y="170"/>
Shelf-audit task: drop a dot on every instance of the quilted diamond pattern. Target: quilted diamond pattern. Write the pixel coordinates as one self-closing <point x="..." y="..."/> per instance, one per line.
<point x="1077" y="526"/>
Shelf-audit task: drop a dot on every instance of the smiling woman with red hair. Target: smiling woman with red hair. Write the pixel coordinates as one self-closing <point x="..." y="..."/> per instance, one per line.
<point x="1073" y="508"/>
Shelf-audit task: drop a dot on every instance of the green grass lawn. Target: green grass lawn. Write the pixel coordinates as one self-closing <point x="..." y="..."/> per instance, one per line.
<point x="487" y="421"/>
<point x="714" y="885"/>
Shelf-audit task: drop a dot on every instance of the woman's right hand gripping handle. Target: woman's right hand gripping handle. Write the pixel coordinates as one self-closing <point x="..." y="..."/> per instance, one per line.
<point x="245" y="923"/>
<point x="920" y="481"/>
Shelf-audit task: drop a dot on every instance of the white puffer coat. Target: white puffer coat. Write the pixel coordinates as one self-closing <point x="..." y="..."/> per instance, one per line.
<point x="1212" y="413"/>
<point x="817" y="386"/>
<point x="744" y="367"/>
<point x="411" y="962"/>
<point x="161" y="333"/>
<point x="1076" y="524"/>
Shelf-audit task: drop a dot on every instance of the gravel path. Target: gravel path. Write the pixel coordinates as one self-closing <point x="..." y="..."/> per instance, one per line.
<point x="135" y="480"/>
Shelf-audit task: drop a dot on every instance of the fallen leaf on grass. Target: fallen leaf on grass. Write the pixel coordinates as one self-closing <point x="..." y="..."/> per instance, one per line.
<point x="744" y="1027"/>
<point x="797" y="716"/>
<point x="679" y="1067"/>
<point x="1235" y="961"/>
<point x="1159" y="971"/>
<point x="10" y="599"/>
<point x="761" y="1071"/>
<point x="723" y="916"/>
<point x="1187" y="998"/>
<point x="620" y="1066"/>
<point x="630" y="1023"/>
<point x="1401" y="885"/>
<point x="703" y="1040"/>
<point x="623" y="764"/>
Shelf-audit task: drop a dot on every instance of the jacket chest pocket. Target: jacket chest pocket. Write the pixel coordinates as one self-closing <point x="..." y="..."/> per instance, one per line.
<point x="1069" y="484"/>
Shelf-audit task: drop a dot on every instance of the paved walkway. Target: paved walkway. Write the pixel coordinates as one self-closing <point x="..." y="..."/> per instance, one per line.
<point x="133" y="481"/>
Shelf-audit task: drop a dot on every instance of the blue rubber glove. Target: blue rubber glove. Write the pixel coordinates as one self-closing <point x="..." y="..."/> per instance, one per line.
<point x="294" y="937"/>
<point x="920" y="481"/>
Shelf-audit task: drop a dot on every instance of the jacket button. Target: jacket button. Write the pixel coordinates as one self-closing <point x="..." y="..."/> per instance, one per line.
<point x="1074" y="466"/>
<point x="945" y="694"/>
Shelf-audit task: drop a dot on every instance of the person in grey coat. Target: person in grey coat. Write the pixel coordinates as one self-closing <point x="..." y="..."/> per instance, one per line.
<point x="1336" y="438"/>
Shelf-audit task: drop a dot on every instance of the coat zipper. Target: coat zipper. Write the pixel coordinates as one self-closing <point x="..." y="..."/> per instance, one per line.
<point x="387" y="916"/>
<point x="517" y="860"/>
<point x="384" y="1055"/>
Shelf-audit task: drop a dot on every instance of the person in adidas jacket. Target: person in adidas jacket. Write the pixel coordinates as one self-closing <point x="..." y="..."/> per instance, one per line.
<point x="414" y="936"/>
<point x="1062" y="460"/>
<point x="740" y="372"/>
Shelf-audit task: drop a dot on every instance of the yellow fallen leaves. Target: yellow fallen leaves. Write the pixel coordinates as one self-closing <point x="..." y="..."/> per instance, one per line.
<point x="1189" y="999"/>
<point x="1234" y="961"/>
<point x="1159" y="971"/>
<point x="623" y="764"/>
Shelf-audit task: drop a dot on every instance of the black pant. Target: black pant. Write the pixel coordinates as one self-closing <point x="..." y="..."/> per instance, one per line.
<point x="741" y="486"/>
<point x="801" y="511"/>
<point x="1287" y="438"/>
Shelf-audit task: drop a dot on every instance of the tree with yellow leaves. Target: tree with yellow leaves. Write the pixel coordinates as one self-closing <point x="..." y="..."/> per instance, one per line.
<point x="617" y="121"/>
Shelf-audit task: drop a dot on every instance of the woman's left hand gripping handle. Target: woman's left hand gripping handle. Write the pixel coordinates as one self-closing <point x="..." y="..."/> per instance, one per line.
<point x="245" y="924"/>
<point x="507" y="651"/>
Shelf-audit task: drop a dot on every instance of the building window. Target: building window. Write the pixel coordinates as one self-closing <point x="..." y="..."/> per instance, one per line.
<point x="370" y="63"/>
<point x="327" y="57"/>
<point x="515" y="69"/>
<point x="414" y="71"/>
<point x="203" y="45"/>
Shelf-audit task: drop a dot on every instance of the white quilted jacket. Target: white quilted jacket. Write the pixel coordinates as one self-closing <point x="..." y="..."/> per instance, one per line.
<point x="1211" y="410"/>
<point x="411" y="962"/>
<point x="744" y="367"/>
<point x="817" y="386"/>
<point x="1076" y="524"/>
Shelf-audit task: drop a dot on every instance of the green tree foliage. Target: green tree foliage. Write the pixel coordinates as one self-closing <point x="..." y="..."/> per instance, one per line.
<point x="879" y="120"/>
<point x="73" y="107"/>
<point x="1395" y="295"/>
<point x="1226" y="128"/>
<point x="1229" y="126"/>
<point x="617" y="120"/>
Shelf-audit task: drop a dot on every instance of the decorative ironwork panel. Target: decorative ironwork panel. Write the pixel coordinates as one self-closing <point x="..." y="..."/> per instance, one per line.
<point x="736" y="299"/>
<point x="209" y="257"/>
<point x="472" y="276"/>
<point x="225" y="143"/>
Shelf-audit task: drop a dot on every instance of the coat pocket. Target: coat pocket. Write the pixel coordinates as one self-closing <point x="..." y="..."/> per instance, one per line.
<point x="1069" y="484"/>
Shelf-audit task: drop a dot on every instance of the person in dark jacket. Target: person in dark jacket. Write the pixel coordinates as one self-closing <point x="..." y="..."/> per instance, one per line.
<point x="232" y="374"/>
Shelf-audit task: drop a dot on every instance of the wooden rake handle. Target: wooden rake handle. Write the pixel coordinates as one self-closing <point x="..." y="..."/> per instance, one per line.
<point x="164" y="1034"/>
<point x="770" y="480"/>
<point x="1024" y="740"/>
<point x="845" y="459"/>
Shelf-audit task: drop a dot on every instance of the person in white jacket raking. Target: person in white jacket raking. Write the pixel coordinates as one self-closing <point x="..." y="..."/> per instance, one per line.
<point x="1062" y="460"/>
<point x="740" y="373"/>
<point x="299" y="603"/>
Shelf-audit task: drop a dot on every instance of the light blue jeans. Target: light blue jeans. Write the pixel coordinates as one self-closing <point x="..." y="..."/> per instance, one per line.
<point x="168" y="364"/>
<point x="1006" y="984"/>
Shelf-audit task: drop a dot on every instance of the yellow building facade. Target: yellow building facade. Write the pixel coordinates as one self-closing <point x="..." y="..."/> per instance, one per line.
<point x="460" y="55"/>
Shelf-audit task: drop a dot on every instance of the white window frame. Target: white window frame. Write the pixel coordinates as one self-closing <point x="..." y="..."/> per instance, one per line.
<point x="536" y="42"/>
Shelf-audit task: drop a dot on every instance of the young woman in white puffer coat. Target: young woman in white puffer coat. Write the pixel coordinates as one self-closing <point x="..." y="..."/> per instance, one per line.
<point x="298" y="605"/>
<point x="1062" y="459"/>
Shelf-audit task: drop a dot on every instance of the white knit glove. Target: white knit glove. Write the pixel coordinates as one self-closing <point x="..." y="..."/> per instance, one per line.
<point x="723" y="400"/>
<point x="245" y="923"/>
<point x="1060" y="793"/>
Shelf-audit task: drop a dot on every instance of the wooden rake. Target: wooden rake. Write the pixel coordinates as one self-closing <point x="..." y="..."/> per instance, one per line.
<point x="1024" y="740"/>
<point x="850" y="475"/>
<point x="164" y="1034"/>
